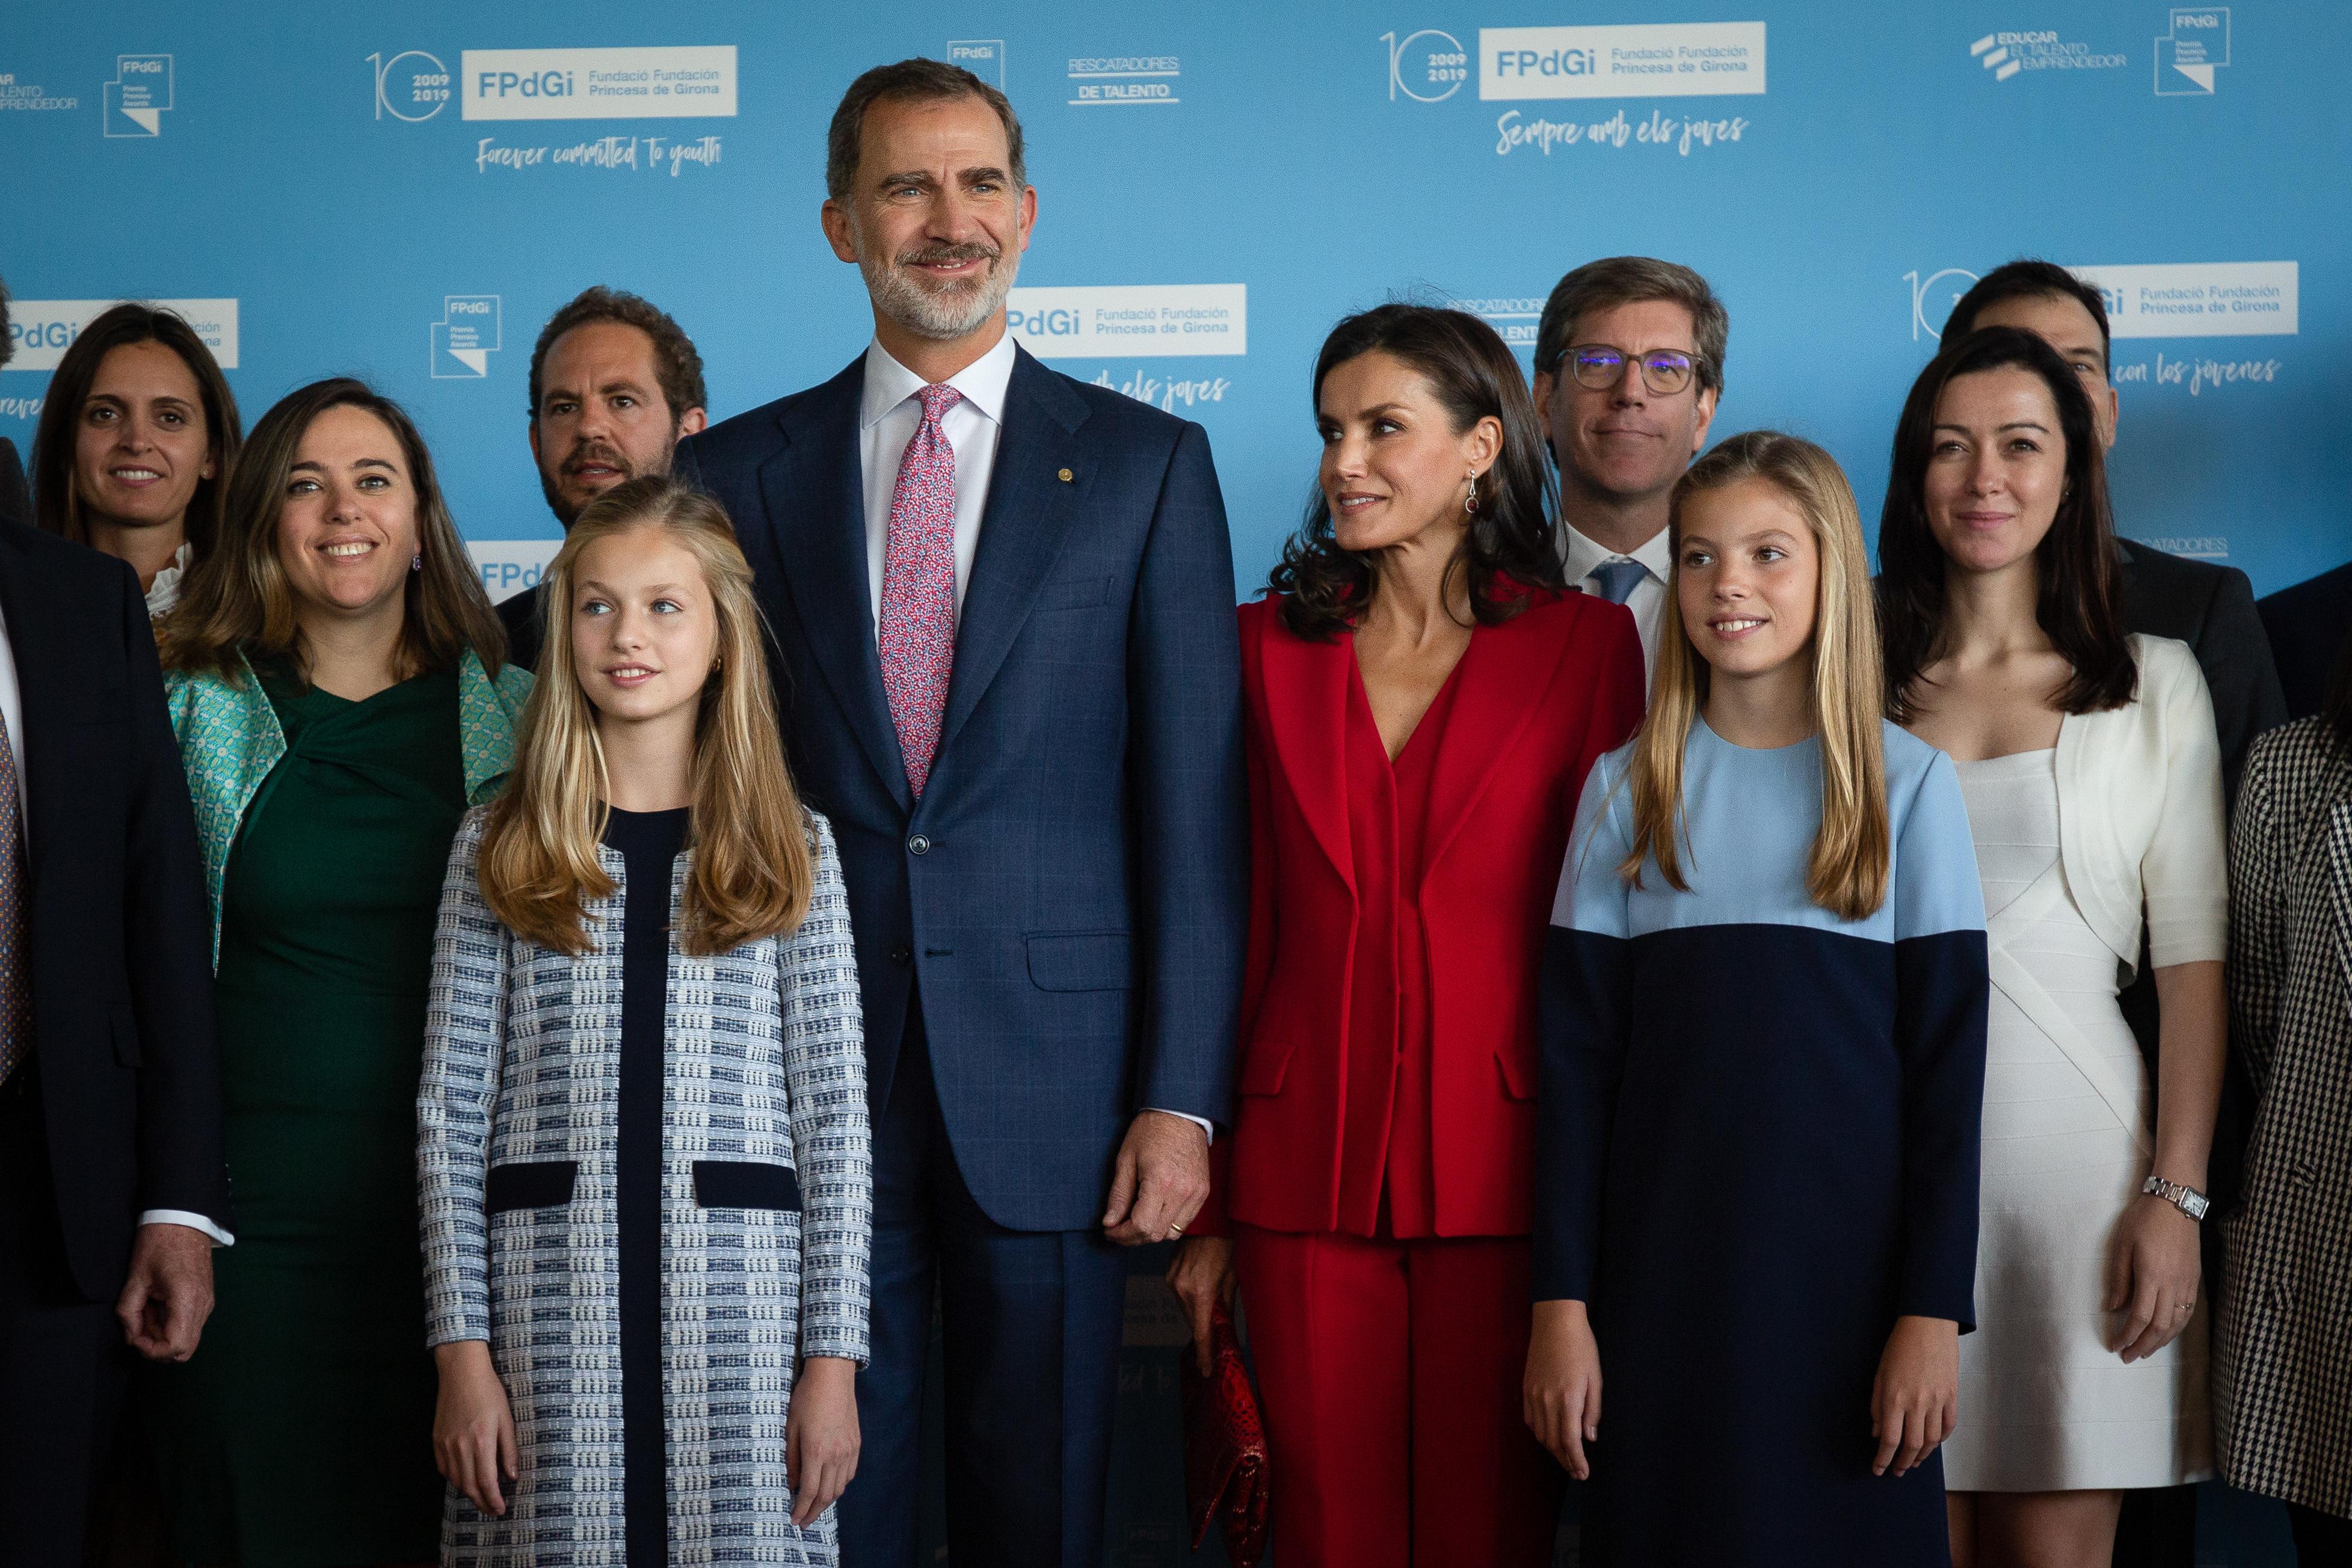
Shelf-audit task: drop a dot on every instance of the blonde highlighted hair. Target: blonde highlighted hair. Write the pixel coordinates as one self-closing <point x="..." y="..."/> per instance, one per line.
<point x="1848" y="869"/>
<point x="753" y="870"/>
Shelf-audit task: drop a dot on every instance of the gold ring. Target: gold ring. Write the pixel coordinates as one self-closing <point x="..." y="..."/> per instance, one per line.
<point x="1175" y="1230"/>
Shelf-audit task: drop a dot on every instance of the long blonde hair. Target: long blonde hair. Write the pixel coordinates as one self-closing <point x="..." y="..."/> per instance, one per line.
<point x="1848" y="869"/>
<point x="753" y="870"/>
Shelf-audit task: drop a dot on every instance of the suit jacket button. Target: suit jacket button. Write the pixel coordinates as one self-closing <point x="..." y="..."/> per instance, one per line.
<point x="902" y="954"/>
<point x="919" y="845"/>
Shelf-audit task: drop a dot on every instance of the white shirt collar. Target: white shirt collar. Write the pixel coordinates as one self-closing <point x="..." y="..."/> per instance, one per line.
<point x="889" y="383"/>
<point x="1584" y="554"/>
<point x="163" y="593"/>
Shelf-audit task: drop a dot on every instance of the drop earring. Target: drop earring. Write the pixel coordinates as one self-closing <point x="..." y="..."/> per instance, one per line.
<point x="416" y="562"/>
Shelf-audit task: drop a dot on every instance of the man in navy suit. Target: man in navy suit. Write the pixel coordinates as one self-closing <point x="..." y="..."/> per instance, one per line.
<point x="1003" y="602"/>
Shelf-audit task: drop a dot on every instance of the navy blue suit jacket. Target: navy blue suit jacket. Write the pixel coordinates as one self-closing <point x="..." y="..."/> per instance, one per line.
<point x="1072" y="890"/>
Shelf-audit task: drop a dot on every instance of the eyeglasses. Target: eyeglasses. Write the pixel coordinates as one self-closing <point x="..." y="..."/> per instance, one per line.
<point x="1664" y="372"/>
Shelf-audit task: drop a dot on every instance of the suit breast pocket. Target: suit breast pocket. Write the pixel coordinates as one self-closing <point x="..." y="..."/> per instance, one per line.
<point x="1074" y="594"/>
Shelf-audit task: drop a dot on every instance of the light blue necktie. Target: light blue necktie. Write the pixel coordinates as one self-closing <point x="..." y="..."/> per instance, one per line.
<point x="1618" y="579"/>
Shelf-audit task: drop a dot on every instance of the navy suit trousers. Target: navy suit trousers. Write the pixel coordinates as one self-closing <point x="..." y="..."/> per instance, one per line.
<point x="1032" y="1322"/>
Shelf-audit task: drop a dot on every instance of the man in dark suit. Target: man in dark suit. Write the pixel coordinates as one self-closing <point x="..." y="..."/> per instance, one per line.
<point x="615" y="385"/>
<point x="1004" y="609"/>
<point x="2211" y="609"/>
<point x="113" y="1190"/>
<point x="2308" y="626"/>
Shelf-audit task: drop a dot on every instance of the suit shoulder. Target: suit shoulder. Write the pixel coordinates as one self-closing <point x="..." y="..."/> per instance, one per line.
<point x="2329" y="593"/>
<point x="2168" y="573"/>
<point x="1134" y="419"/>
<point x="751" y="432"/>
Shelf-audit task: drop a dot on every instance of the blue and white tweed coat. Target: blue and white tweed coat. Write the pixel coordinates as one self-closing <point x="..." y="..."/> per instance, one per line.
<point x="763" y="1065"/>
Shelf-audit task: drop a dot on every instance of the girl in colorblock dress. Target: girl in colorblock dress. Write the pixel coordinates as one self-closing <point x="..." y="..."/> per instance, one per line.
<point x="644" y="1142"/>
<point x="1763" y="1031"/>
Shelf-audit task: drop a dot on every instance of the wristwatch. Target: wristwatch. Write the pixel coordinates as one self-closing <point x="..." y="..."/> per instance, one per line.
<point x="2186" y="1199"/>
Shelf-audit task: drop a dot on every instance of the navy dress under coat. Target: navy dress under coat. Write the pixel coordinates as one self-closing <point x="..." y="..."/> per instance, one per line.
<point x="1759" y="1146"/>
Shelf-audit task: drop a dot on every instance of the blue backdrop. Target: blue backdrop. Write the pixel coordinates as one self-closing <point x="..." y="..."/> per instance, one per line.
<point x="407" y="192"/>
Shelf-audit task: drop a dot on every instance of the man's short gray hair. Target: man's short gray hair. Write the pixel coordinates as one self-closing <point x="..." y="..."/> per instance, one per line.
<point x="915" y="78"/>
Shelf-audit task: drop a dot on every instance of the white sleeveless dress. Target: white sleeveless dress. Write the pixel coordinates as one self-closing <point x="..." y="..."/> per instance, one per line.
<point x="2046" y="1405"/>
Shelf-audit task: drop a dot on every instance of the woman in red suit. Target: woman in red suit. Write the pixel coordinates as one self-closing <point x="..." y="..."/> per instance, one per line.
<point x="1424" y="698"/>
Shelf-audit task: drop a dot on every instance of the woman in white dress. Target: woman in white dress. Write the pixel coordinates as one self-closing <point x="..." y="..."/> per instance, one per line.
<point x="2093" y="787"/>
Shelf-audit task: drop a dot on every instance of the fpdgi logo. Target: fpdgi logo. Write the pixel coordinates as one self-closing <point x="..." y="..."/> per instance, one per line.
<point x="138" y="95"/>
<point x="412" y="85"/>
<point x="983" y="58"/>
<point x="1428" y="67"/>
<point x="466" y="337"/>
<point x="2187" y="57"/>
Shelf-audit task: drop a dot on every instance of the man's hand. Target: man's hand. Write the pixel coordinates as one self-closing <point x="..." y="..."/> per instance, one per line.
<point x="169" y="1294"/>
<point x="1162" y="1180"/>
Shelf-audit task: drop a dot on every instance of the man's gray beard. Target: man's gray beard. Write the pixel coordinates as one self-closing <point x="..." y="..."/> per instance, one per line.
<point x="942" y="318"/>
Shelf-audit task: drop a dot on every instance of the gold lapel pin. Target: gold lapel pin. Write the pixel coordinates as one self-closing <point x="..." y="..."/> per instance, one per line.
<point x="1065" y="475"/>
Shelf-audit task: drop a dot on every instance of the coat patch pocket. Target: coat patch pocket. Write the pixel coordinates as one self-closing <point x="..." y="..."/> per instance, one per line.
<point x="745" y="1184"/>
<point x="542" y="1183"/>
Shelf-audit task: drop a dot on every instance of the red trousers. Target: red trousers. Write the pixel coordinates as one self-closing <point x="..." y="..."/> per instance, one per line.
<point x="1391" y="1374"/>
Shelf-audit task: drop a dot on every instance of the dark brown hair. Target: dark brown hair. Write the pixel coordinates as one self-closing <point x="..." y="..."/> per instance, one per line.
<point x="2028" y="277"/>
<point x="915" y="78"/>
<point x="237" y="600"/>
<point x="2078" y="600"/>
<point x="677" y="365"/>
<point x="57" y="501"/>
<point x="1629" y="280"/>
<point x="1510" y="540"/>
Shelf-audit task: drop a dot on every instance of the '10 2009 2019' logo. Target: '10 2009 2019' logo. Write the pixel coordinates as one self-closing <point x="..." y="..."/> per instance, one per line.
<point x="1428" y="67"/>
<point x="412" y="85"/>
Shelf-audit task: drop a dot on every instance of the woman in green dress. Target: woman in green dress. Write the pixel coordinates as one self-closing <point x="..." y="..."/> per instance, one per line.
<point x="335" y="676"/>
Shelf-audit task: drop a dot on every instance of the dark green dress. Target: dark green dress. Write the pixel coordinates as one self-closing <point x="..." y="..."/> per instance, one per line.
<point x="300" y="1432"/>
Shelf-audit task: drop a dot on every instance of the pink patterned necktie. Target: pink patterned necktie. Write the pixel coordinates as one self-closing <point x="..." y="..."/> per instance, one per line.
<point x="16" y="960"/>
<point x="917" y="634"/>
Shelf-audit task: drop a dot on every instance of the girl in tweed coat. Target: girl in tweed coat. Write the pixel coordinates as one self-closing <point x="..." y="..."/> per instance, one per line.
<point x="643" y="1152"/>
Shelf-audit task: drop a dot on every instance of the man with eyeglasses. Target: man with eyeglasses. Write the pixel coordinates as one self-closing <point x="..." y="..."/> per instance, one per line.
<point x="1629" y="364"/>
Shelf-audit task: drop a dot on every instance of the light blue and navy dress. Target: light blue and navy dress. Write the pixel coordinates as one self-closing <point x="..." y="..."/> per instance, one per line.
<point x="1757" y="1148"/>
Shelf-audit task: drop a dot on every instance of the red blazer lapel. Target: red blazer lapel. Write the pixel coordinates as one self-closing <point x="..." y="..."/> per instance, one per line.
<point x="1505" y="677"/>
<point x="1305" y="714"/>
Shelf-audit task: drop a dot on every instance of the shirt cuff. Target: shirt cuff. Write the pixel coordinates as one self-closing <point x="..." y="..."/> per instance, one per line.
<point x="1200" y="1121"/>
<point x="193" y="1221"/>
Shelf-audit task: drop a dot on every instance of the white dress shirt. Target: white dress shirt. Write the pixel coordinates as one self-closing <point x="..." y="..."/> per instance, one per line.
<point x="887" y="417"/>
<point x="12" y="708"/>
<point x="1648" y="601"/>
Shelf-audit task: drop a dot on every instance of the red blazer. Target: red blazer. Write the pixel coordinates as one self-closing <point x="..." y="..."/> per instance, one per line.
<point x="1540" y="698"/>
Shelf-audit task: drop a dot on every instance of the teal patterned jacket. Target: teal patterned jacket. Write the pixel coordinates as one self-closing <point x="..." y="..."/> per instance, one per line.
<point x="230" y="740"/>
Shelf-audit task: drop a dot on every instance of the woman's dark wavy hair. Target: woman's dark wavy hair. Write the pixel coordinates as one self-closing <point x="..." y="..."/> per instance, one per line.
<point x="1474" y="377"/>
<point x="2079" y="601"/>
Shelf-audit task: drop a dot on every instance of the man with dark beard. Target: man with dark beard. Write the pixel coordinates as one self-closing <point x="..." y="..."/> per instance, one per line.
<point x="614" y="386"/>
<point x="1003" y="601"/>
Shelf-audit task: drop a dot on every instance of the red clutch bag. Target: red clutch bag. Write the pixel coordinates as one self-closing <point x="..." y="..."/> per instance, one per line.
<point x="1225" y="1447"/>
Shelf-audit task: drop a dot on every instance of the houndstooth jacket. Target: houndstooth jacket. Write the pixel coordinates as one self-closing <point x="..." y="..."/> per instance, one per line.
<point x="2282" y="1341"/>
<point x="763" y="1072"/>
